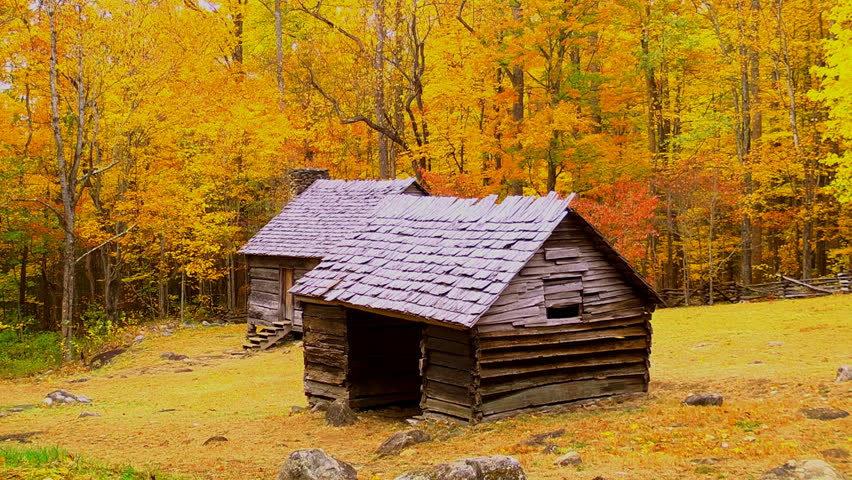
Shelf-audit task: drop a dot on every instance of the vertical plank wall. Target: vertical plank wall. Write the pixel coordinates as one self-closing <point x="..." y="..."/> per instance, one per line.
<point x="526" y="360"/>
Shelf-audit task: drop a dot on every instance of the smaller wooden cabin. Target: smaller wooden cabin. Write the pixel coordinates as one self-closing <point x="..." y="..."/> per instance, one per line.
<point x="322" y="213"/>
<point x="474" y="310"/>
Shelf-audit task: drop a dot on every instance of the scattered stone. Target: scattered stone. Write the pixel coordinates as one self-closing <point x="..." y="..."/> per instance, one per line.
<point x="541" y="437"/>
<point x="775" y="344"/>
<point x="20" y="408"/>
<point x="704" y="399"/>
<point x="79" y="380"/>
<point x="297" y="409"/>
<point x="205" y="323"/>
<point x="497" y="467"/>
<point x="315" y="464"/>
<point x="319" y="405"/>
<point x="138" y="338"/>
<point x="59" y="397"/>
<point x="102" y="359"/>
<point x="167" y="410"/>
<point x="803" y="470"/>
<point x="215" y="439"/>
<point x="401" y="440"/>
<point x="88" y="414"/>
<point x="18" y="437"/>
<point x="844" y="374"/>
<point x="550" y="449"/>
<point x="166" y="333"/>
<point x="173" y="356"/>
<point x="823" y="413"/>
<point x="837" y="453"/>
<point x="340" y="415"/>
<point x="183" y="370"/>
<point x="570" y="458"/>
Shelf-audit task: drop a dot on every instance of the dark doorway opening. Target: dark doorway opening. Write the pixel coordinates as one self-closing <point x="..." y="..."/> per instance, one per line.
<point x="384" y="361"/>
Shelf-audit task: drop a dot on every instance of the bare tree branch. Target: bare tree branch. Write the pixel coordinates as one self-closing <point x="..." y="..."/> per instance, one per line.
<point x="111" y="239"/>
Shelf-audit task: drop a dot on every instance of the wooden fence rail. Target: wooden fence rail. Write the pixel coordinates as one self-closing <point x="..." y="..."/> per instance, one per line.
<point x="785" y="287"/>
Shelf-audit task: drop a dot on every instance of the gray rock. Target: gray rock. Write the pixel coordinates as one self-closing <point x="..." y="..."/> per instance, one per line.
<point x="215" y="439"/>
<point x="844" y="374"/>
<point x="79" y="380"/>
<point x="205" y="323"/>
<point x="541" y="438"/>
<point x="803" y="470"/>
<point x="48" y="401"/>
<point x="88" y="414"/>
<point x="823" y="413"/>
<point x="69" y="400"/>
<point x="570" y="458"/>
<point x="550" y="449"/>
<point x="20" y="408"/>
<point x="340" y="415"/>
<point x="297" y="409"/>
<point x="166" y="333"/>
<point x="173" y="356"/>
<point x="401" y="440"/>
<point x="315" y="464"/>
<point x="838" y="453"/>
<point x="497" y="467"/>
<point x="138" y="339"/>
<point x="83" y="399"/>
<point x="704" y="399"/>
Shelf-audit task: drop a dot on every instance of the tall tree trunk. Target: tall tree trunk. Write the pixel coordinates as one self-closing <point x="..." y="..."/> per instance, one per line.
<point x="379" y="94"/>
<point x="22" y="284"/>
<point x="279" y="54"/>
<point x="162" y="292"/>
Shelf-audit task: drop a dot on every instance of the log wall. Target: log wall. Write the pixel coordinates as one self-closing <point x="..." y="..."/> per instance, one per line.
<point x="266" y="277"/>
<point x="449" y="380"/>
<point x="526" y="359"/>
<point x="326" y="353"/>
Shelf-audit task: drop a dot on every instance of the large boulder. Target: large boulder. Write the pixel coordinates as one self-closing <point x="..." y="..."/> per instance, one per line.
<point x="803" y="470"/>
<point x="496" y="467"/>
<point x="315" y="464"/>
<point x="401" y="440"/>
<point x="704" y="399"/>
<point x="844" y="374"/>
<point x="340" y="415"/>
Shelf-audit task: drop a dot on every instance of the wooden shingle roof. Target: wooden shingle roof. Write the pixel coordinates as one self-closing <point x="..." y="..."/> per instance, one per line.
<point x="440" y="258"/>
<point x="322" y="216"/>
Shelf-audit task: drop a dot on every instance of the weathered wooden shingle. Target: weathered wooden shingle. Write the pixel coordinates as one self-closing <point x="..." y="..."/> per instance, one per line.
<point x="441" y="258"/>
<point x="322" y="216"/>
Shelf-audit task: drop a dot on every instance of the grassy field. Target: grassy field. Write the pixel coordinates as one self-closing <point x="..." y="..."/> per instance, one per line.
<point x="768" y="359"/>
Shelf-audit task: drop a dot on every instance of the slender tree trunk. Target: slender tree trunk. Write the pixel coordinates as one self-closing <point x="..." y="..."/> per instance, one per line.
<point x="182" y="296"/>
<point x="379" y="94"/>
<point x="161" y="279"/>
<point x="22" y="285"/>
<point x="279" y="54"/>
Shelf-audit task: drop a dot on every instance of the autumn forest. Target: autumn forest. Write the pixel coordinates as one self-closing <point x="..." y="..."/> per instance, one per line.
<point x="143" y="142"/>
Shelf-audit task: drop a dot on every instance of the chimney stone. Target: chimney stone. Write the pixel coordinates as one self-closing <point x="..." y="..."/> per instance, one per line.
<point x="302" y="178"/>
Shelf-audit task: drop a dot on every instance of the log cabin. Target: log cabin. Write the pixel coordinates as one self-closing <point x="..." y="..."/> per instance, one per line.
<point x="474" y="310"/>
<point x="322" y="213"/>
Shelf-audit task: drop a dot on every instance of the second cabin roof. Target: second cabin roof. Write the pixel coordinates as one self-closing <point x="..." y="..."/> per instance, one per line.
<point x="441" y="258"/>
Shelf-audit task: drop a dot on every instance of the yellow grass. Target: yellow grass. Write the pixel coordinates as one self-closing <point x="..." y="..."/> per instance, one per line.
<point x="248" y="401"/>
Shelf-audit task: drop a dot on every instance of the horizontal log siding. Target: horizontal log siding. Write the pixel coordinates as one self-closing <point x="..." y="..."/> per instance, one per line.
<point x="449" y="382"/>
<point x="326" y="353"/>
<point x="526" y="361"/>
<point x="264" y="295"/>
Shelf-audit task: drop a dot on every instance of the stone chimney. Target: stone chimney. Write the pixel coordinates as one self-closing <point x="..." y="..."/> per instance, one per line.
<point x="302" y="178"/>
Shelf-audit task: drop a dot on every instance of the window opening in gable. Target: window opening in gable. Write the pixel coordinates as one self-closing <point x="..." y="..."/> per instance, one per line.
<point x="563" y="311"/>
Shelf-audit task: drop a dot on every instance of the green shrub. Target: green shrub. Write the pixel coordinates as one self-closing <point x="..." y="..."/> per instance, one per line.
<point x="28" y="353"/>
<point x="54" y="462"/>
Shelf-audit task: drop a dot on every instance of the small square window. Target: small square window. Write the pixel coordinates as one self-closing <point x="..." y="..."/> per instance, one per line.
<point x="563" y="311"/>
